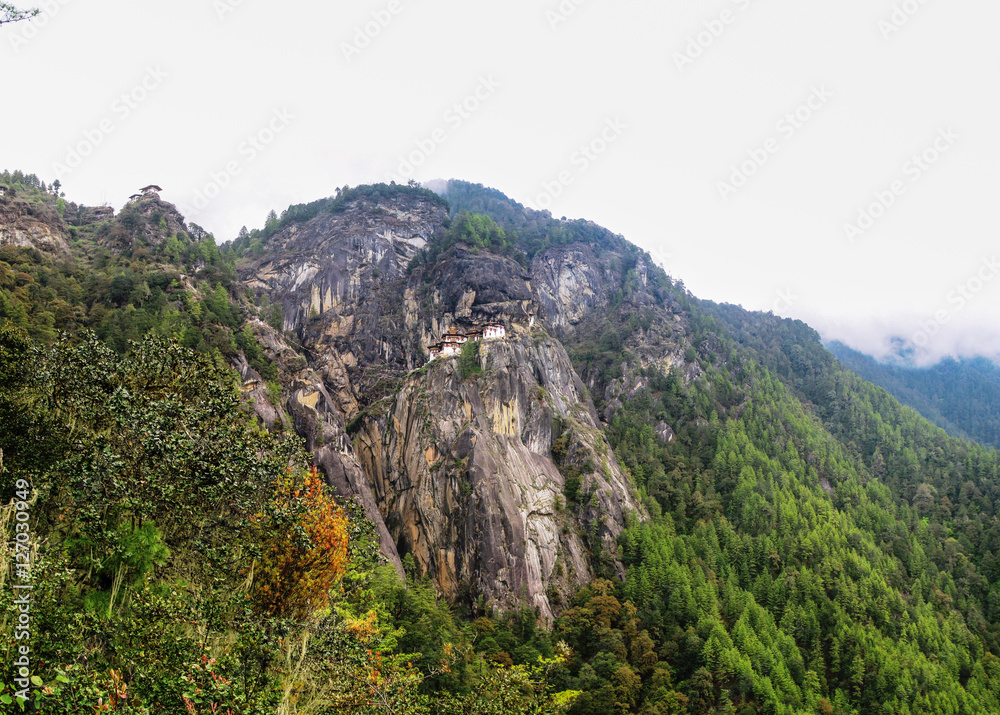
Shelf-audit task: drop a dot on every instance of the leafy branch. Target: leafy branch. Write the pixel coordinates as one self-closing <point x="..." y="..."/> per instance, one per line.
<point x="9" y="13"/>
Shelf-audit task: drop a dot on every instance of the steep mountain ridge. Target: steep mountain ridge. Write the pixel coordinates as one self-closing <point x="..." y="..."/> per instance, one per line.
<point x="600" y="295"/>
<point x="456" y="470"/>
<point x="65" y="268"/>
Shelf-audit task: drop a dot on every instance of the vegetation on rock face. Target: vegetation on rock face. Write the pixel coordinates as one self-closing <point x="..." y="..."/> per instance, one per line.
<point x="125" y="278"/>
<point x="474" y="230"/>
<point x="251" y="243"/>
<point x="530" y="231"/>
<point x="177" y="565"/>
<point x="468" y="359"/>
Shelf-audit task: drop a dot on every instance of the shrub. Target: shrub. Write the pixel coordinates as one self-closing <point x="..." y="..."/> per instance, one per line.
<point x="304" y="548"/>
<point x="468" y="360"/>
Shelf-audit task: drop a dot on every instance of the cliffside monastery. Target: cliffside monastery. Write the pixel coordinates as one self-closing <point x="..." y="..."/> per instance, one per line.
<point x="451" y="343"/>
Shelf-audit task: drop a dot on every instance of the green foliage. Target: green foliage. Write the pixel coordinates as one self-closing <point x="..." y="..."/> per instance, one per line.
<point x="475" y="230"/>
<point x="176" y="289"/>
<point x="120" y="300"/>
<point x="19" y="181"/>
<point x="248" y="343"/>
<point x="468" y="360"/>
<point x="10" y="13"/>
<point x="814" y="545"/>
<point x="960" y="396"/>
<point x="145" y="468"/>
<point x="276" y="318"/>
<point x="527" y="230"/>
<point x="147" y="569"/>
<point x="572" y="473"/>
<point x="274" y="393"/>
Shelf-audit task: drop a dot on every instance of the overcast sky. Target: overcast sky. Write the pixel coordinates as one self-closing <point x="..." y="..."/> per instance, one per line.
<point x="835" y="162"/>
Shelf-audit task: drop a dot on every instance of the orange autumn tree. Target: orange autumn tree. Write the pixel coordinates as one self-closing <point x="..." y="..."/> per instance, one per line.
<point x="303" y="537"/>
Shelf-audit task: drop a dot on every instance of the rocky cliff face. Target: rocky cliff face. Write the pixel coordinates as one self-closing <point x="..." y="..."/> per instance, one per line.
<point x="335" y="266"/>
<point x="464" y="475"/>
<point x="579" y="296"/>
<point x="572" y="284"/>
<point x="26" y="224"/>
<point x="148" y="221"/>
<point x="456" y="468"/>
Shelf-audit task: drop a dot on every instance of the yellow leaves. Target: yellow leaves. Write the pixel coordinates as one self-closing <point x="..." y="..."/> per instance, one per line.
<point x="304" y="548"/>
<point x="563" y="700"/>
<point x="363" y="628"/>
<point x="447" y="651"/>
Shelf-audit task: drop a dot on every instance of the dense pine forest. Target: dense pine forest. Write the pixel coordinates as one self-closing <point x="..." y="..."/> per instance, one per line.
<point x="961" y="396"/>
<point x="807" y="544"/>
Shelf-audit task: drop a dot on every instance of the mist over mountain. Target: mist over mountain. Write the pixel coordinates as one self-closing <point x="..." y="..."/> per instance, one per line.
<point x="912" y="339"/>
<point x="961" y="396"/>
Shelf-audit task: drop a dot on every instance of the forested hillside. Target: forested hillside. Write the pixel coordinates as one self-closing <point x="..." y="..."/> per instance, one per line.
<point x="815" y="546"/>
<point x="792" y="540"/>
<point x="121" y="276"/>
<point x="961" y="396"/>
